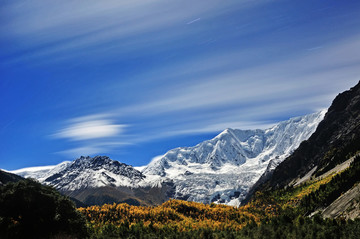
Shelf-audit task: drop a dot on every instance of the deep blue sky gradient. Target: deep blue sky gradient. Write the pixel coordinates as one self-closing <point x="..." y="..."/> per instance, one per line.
<point x="163" y="74"/>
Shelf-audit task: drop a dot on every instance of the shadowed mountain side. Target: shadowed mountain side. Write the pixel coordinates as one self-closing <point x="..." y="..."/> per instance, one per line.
<point x="336" y="138"/>
<point x="6" y="177"/>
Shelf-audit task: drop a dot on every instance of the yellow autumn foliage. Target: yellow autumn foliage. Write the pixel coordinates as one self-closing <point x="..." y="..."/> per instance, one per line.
<point x="182" y="215"/>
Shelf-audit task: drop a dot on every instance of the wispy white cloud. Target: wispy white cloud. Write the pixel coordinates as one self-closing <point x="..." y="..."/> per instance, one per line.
<point x="92" y="129"/>
<point x="93" y="117"/>
<point x="239" y="98"/>
<point x="207" y="91"/>
<point x="302" y="78"/>
<point x="73" y="29"/>
<point x="92" y="134"/>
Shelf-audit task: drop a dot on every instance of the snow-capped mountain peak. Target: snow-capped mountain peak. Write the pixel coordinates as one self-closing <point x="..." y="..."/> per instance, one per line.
<point x="236" y="147"/>
<point x="224" y="168"/>
<point x="86" y="172"/>
<point x="98" y="171"/>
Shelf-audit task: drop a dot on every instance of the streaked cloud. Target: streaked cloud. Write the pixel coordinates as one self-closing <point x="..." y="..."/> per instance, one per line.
<point x="145" y="71"/>
<point x="306" y="77"/>
<point x="192" y="21"/>
<point x="73" y="29"/>
<point x="228" y="99"/>
<point x="92" y="129"/>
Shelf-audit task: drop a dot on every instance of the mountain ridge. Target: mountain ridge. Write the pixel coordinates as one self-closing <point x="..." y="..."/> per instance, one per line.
<point x="324" y="170"/>
<point x="220" y="170"/>
<point x="223" y="169"/>
<point x="337" y="136"/>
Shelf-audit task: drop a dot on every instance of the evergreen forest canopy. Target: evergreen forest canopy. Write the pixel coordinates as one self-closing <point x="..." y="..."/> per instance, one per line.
<point x="31" y="210"/>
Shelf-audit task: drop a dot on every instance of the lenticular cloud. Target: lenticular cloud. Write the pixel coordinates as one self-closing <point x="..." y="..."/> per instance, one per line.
<point x="91" y="130"/>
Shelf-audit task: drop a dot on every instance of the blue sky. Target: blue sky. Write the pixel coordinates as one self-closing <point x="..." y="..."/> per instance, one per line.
<point x="133" y="79"/>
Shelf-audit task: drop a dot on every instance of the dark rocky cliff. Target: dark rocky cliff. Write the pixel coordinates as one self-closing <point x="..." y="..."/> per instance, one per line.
<point x="335" y="140"/>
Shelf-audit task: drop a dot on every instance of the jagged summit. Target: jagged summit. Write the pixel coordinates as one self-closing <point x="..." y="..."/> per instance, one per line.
<point x="236" y="147"/>
<point x="222" y="169"/>
<point x="88" y="172"/>
<point x="100" y="163"/>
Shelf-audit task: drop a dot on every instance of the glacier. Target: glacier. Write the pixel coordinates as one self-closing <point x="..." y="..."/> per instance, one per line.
<point x="223" y="169"/>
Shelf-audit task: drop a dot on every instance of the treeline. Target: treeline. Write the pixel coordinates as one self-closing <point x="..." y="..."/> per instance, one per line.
<point x="312" y="195"/>
<point x="330" y="191"/>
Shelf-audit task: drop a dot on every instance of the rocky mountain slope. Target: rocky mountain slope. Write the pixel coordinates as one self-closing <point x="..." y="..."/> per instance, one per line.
<point x="328" y="162"/>
<point x="336" y="138"/>
<point x="95" y="172"/>
<point x="346" y="206"/>
<point x="85" y="172"/>
<point x="99" y="180"/>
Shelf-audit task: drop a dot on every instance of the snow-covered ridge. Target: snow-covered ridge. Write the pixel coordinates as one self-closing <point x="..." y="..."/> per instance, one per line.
<point x="237" y="147"/>
<point x="224" y="168"/>
<point x="42" y="172"/>
<point x="220" y="170"/>
<point x="85" y="172"/>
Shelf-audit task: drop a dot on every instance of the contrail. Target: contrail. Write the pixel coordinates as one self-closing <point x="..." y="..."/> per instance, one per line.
<point x="197" y="19"/>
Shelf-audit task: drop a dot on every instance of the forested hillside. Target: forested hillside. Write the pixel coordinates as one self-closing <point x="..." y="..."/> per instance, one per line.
<point x="283" y="213"/>
<point x="31" y="210"/>
<point x="6" y="177"/>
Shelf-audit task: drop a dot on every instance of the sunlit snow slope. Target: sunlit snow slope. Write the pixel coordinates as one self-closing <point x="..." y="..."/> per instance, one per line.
<point x="224" y="168"/>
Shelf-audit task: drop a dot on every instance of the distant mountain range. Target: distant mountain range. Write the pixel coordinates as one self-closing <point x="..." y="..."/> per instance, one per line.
<point x="220" y="170"/>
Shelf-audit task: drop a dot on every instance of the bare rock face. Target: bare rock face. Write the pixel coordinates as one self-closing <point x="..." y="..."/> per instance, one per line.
<point x="346" y="206"/>
<point x="336" y="137"/>
<point x="99" y="171"/>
